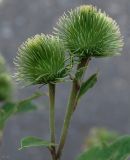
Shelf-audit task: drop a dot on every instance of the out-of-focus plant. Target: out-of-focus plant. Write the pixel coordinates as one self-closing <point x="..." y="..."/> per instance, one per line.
<point x="5" y="86"/>
<point x="117" y="150"/>
<point x="5" y="81"/>
<point x="81" y="35"/>
<point x="2" y="64"/>
<point x="9" y="107"/>
<point x="100" y="137"/>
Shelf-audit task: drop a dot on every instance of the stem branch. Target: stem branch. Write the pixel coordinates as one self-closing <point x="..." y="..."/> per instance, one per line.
<point x="71" y="106"/>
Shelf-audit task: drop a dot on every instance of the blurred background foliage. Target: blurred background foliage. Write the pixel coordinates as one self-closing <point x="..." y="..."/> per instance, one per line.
<point x="100" y="137"/>
<point x="8" y="107"/>
<point x="5" y="81"/>
<point x="107" y="105"/>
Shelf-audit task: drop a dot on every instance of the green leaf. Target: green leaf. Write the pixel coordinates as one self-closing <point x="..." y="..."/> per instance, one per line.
<point x="9" y="109"/>
<point x="28" y="142"/>
<point x="89" y="83"/>
<point x="119" y="150"/>
<point x="5" y="112"/>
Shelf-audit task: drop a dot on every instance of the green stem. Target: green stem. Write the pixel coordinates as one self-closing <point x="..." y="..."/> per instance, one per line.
<point x="52" y="117"/>
<point x="67" y="119"/>
<point x="71" y="107"/>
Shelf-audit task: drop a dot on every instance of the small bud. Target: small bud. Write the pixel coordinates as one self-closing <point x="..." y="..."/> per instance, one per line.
<point x="5" y="86"/>
<point x="87" y="32"/>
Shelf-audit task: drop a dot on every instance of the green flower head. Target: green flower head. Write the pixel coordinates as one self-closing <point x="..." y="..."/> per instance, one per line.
<point x="41" y="60"/>
<point x="5" y="86"/>
<point x="87" y="32"/>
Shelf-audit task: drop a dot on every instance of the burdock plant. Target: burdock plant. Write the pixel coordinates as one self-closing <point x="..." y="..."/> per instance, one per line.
<point x="41" y="60"/>
<point x="84" y="33"/>
<point x="87" y="32"/>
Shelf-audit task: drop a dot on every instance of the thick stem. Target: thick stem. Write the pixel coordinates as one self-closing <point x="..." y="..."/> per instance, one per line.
<point x="67" y="118"/>
<point x="71" y="107"/>
<point x="52" y="118"/>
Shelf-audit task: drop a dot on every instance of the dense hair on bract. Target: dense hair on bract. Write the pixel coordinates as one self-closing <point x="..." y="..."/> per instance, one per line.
<point x="41" y="60"/>
<point x="88" y="32"/>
